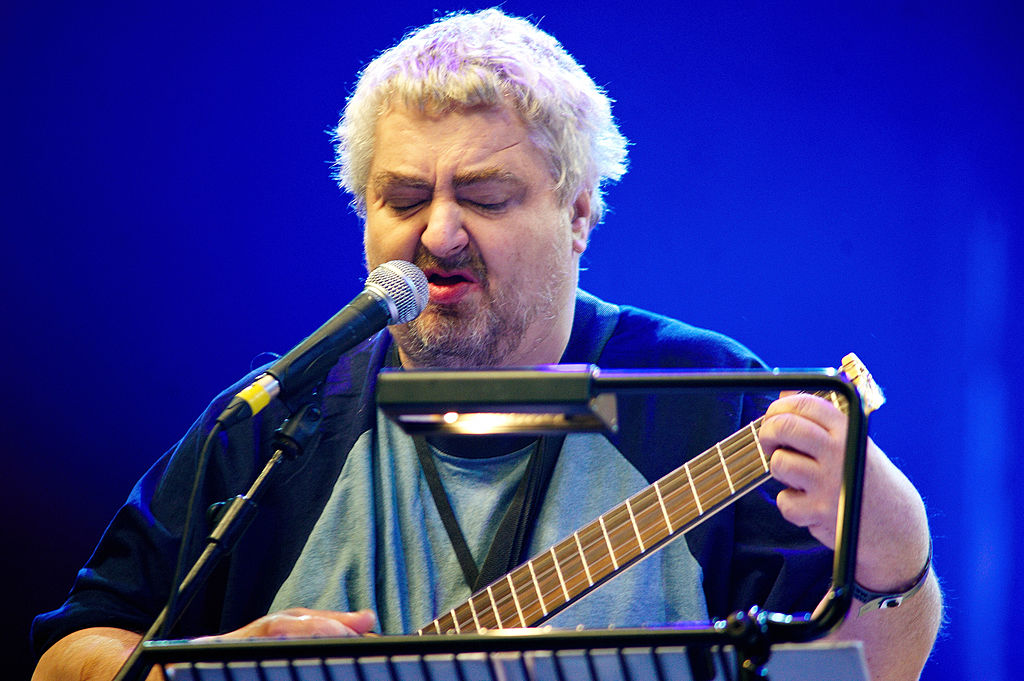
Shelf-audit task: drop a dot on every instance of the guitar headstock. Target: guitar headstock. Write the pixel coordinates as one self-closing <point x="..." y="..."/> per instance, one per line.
<point x="870" y="394"/>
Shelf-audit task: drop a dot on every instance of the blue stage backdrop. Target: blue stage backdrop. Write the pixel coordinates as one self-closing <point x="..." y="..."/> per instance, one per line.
<point x="811" y="181"/>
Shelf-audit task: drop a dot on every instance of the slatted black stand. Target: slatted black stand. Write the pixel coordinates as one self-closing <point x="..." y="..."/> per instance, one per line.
<point x="606" y="655"/>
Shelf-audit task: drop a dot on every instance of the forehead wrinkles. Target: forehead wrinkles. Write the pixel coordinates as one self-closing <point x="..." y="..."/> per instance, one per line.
<point x="495" y="174"/>
<point x="460" y="137"/>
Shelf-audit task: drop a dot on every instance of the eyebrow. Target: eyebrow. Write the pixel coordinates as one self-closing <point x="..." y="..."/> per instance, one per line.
<point x="386" y="178"/>
<point x="487" y="175"/>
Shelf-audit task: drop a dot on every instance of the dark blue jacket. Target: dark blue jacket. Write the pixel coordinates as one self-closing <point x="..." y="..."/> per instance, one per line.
<point x="748" y="553"/>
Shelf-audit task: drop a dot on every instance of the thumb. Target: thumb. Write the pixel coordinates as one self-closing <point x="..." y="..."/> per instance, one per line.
<point x="361" y="621"/>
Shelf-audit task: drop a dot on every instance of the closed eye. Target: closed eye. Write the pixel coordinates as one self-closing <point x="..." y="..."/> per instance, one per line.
<point x="490" y="191"/>
<point x="403" y="206"/>
<point x="495" y="207"/>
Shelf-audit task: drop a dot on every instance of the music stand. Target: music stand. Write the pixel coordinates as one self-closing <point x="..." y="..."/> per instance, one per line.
<point x="559" y="398"/>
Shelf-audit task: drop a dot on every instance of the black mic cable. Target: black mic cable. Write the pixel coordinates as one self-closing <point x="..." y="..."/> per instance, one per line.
<point x="394" y="293"/>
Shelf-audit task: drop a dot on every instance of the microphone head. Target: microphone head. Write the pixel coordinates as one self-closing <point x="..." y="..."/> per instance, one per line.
<point x="403" y="287"/>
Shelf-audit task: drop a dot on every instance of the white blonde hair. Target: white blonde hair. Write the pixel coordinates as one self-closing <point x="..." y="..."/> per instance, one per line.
<point x="489" y="59"/>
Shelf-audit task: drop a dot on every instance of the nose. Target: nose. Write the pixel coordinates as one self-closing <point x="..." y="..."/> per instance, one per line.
<point x="445" y="234"/>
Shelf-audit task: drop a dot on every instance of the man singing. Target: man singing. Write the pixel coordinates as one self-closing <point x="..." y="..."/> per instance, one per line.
<point x="477" y="149"/>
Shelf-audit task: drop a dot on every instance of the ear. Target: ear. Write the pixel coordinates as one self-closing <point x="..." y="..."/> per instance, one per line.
<point x="582" y="219"/>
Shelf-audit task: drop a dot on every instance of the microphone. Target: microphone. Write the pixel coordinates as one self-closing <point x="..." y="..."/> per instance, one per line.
<point x="395" y="293"/>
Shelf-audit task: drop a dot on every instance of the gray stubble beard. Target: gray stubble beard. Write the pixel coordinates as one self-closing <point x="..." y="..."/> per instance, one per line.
<point x="449" y="337"/>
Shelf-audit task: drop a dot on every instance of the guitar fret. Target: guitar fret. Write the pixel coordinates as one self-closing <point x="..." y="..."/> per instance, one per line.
<point x="747" y="465"/>
<point x="472" y="610"/>
<point x="549" y="578"/>
<point x="611" y="551"/>
<point x="708" y="479"/>
<point x="494" y="608"/>
<point x="512" y="588"/>
<point x="455" y="621"/>
<point x="561" y="579"/>
<point x="664" y="511"/>
<point x="596" y="548"/>
<point x="648" y="518"/>
<point x="636" y="530"/>
<point x="678" y="498"/>
<point x="728" y="478"/>
<point x="536" y="587"/>
<point x="622" y="534"/>
<point x="693" y="488"/>
<point x="583" y="558"/>
<point x="570" y="562"/>
<point x="760" y="451"/>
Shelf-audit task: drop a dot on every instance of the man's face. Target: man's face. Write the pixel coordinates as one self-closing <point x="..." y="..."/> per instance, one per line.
<point x="468" y="198"/>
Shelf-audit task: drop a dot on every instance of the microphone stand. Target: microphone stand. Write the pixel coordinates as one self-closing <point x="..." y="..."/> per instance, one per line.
<point x="233" y="519"/>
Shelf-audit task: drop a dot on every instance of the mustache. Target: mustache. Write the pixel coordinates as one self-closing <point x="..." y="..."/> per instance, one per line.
<point x="467" y="259"/>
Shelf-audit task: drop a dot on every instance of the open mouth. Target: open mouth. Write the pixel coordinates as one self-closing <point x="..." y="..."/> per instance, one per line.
<point x="449" y="287"/>
<point x="447" y="280"/>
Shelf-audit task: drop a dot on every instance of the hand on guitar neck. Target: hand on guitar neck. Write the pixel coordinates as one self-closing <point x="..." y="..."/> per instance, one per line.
<point x="805" y="436"/>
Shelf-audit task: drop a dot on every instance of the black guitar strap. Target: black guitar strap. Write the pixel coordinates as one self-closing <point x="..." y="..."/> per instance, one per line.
<point x="511" y="538"/>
